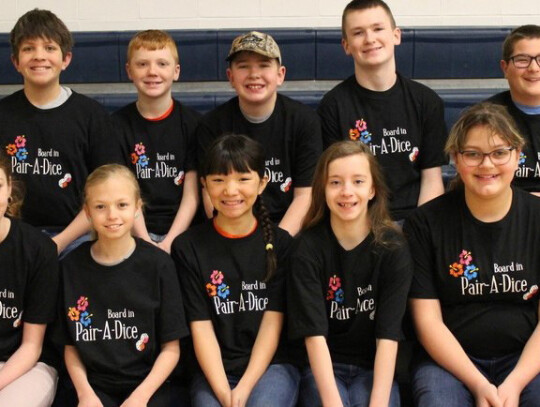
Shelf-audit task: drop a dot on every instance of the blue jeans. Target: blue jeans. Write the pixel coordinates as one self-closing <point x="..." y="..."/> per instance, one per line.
<point x="156" y="238"/>
<point x="434" y="386"/>
<point x="278" y="387"/>
<point x="354" y="384"/>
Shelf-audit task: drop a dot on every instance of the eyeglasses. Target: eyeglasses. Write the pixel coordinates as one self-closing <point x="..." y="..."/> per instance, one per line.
<point x="524" y="61"/>
<point x="500" y="156"/>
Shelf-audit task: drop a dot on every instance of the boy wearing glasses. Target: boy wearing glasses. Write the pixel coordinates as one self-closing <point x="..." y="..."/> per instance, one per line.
<point x="521" y="68"/>
<point x="401" y="120"/>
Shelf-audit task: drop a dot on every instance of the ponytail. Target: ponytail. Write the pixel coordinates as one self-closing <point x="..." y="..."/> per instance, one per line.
<point x="261" y="213"/>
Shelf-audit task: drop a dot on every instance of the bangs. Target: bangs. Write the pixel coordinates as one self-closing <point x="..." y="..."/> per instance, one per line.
<point x="233" y="153"/>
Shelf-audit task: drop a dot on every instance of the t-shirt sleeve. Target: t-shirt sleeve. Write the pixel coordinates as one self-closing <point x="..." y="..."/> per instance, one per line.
<point x="191" y="120"/>
<point x="308" y="148"/>
<point x="42" y="288"/>
<point x="395" y="281"/>
<point x="204" y="137"/>
<point x="434" y="132"/>
<point x="328" y="115"/>
<point x="306" y="306"/>
<point x="421" y="248"/>
<point x="195" y="301"/>
<point x="276" y="286"/>
<point x="172" y="321"/>
<point x="119" y="147"/>
<point x="100" y="135"/>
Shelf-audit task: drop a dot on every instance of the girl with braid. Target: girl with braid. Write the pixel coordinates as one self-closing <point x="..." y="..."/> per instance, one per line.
<point x="232" y="270"/>
<point x="350" y="275"/>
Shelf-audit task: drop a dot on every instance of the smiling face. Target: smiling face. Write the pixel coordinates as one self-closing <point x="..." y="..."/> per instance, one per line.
<point x="348" y="190"/>
<point x="40" y="62"/>
<point x="111" y="206"/>
<point x="486" y="181"/>
<point x="524" y="83"/>
<point x="233" y="195"/>
<point x="370" y="37"/>
<point x="153" y="71"/>
<point x="255" y="78"/>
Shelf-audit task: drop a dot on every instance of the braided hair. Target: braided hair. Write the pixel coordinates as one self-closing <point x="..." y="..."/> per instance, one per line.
<point x="236" y="152"/>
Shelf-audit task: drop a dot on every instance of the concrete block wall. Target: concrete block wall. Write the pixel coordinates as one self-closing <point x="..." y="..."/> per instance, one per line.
<point x="108" y="15"/>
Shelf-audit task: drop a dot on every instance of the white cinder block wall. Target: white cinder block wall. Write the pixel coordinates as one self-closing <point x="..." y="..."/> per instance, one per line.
<point x="103" y="15"/>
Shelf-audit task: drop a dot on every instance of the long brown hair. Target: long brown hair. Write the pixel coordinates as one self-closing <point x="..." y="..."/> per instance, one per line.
<point x="379" y="216"/>
<point x="17" y="194"/>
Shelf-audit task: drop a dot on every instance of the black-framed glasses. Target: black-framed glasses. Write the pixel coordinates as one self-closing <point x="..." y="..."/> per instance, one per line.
<point x="524" y="61"/>
<point x="500" y="156"/>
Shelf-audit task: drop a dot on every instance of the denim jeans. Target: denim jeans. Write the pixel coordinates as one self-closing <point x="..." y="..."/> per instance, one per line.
<point x="278" y="387"/>
<point x="434" y="386"/>
<point x="354" y="384"/>
<point x="156" y="238"/>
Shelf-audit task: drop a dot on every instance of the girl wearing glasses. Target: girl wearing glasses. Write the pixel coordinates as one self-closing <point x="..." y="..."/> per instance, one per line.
<point x="474" y="296"/>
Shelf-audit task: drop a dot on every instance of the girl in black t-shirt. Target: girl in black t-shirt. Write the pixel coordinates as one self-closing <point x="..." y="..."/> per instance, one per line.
<point x="122" y="308"/>
<point x="28" y="289"/>
<point x="350" y="274"/>
<point x="474" y="296"/>
<point x="231" y="270"/>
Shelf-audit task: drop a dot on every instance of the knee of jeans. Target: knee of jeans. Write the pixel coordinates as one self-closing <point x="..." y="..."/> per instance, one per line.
<point x="434" y="386"/>
<point x="530" y="396"/>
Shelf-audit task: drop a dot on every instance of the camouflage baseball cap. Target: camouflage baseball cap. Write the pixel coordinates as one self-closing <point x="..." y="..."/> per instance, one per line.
<point x="255" y="41"/>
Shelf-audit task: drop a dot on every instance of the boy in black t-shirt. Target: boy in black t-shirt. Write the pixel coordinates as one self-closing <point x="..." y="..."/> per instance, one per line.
<point x="521" y="67"/>
<point x="155" y="136"/>
<point x="288" y="130"/>
<point x="401" y="120"/>
<point x="53" y="135"/>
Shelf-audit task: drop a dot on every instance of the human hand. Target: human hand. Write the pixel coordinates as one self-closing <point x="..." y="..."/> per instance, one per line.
<point x="165" y="245"/>
<point x="509" y="393"/>
<point x="486" y="395"/>
<point x="240" y="395"/>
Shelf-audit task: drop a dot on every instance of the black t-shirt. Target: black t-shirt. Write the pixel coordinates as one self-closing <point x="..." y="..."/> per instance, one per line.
<point x="53" y="151"/>
<point x="485" y="275"/>
<point x="352" y="297"/>
<point x="292" y="142"/>
<point x="118" y="316"/>
<point x="160" y="153"/>
<point x="404" y="127"/>
<point x="28" y="284"/>
<point x="528" y="173"/>
<point x="223" y="281"/>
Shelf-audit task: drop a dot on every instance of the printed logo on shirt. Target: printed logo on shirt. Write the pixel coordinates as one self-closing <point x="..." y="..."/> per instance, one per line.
<point x="525" y="171"/>
<point x="275" y="175"/>
<point x="391" y="141"/>
<point x="8" y="311"/>
<point x="18" y="149"/>
<point x="114" y="328"/>
<point x="161" y="169"/>
<point x="42" y="165"/>
<point x="250" y="299"/>
<point x="505" y="279"/>
<point x="360" y="132"/>
<point x="336" y="297"/>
